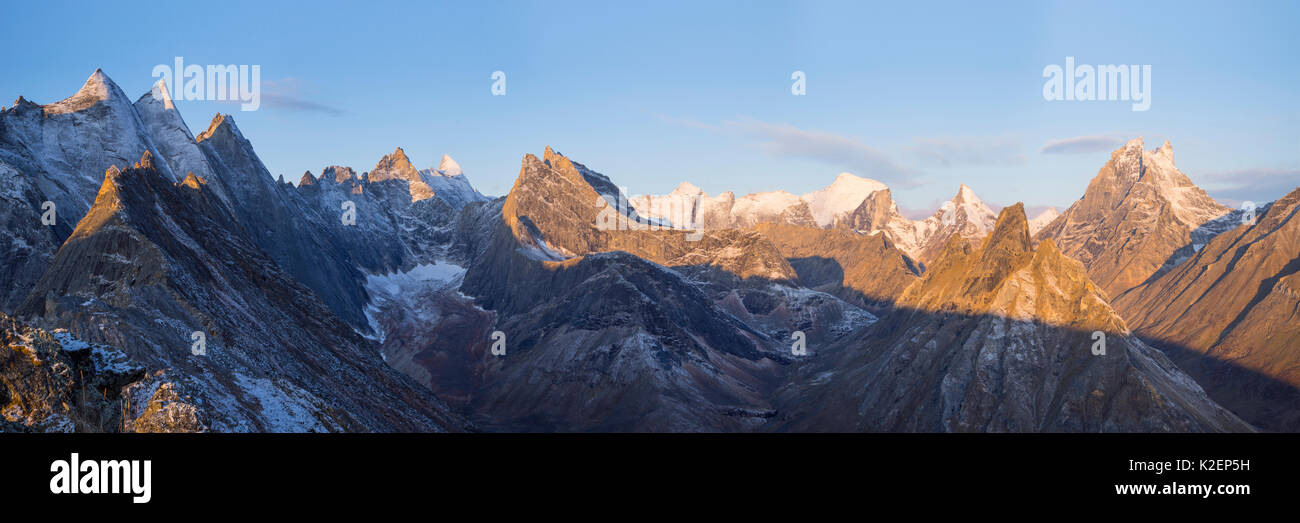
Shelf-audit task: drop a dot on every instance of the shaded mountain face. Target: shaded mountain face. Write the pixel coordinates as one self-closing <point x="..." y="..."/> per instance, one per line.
<point x="998" y="337"/>
<point x="609" y="341"/>
<point x="27" y="245"/>
<point x="1228" y="314"/>
<point x="154" y="262"/>
<point x="1136" y="214"/>
<point x="622" y="327"/>
<point x="281" y="223"/>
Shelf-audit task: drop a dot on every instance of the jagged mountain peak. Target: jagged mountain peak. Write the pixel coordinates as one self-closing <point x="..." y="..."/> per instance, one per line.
<point x="967" y="195"/>
<point x="146" y="161"/>
<point x="97" y="88"/>
<point x="1044" y="218"/>
<point x="559" y="162"/>
<point x="449" y="167"/>
<point x="397" y="166"/>
<point x="1011" y="231"/>
<point x="399" y="155"/>
<point x="1007" y="276"/>
<point x="687" y="189"/>
<point x="338" y="174"/>
<point x="119" y="187"/>
<point x="1138" y="197"/>
<point x="222" y="125"/>
<point x="1166" y="150"/>
<point x="307" y="179"/>
<point x="394" y="166"/>
<point x="159" y="93"/>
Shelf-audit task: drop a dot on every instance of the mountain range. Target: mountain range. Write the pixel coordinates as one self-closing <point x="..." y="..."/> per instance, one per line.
<point x="193" y="291"/>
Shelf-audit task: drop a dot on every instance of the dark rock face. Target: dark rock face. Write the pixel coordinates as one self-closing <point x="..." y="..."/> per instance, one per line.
<point x="599" y="339"/>
<point x="1229" y="315"/>
<point x="612" y="342"/>
<point x="998" y="338"/>
<point x="154" y="262"/>
<point x="621" y="327"/>
<point x="281" y="223"/>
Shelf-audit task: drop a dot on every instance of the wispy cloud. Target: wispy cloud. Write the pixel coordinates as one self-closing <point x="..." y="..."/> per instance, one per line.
<point x="833" y="149"/>
<point x="1083" y="144"/>
<point x="297" y="104"/>
<point x="1258" y="185"/>
<point x="966" y="151"/>
<point x="839" y="151"/>
<point x="900" y="166"/>
<point x="286" y="94"/>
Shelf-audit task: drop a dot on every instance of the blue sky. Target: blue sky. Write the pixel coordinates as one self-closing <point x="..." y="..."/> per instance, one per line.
<point x="923" y="96"/>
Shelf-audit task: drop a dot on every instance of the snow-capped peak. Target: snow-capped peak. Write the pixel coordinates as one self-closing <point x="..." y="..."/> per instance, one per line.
<point x="220" y="122"/>
<point x="449" y="167"/>
<point x="979" y="216"/>
<point x="842" y="196"/>
<point x="96" y="89"/>
<point x="159" y="92"/>
<point x="97" y="84"/>
<point x="966" y="195"/>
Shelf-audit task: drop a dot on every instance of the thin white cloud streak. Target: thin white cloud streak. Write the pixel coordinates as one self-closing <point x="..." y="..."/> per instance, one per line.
<point x="1083" y="144"/>
<point x="948" y="152"/>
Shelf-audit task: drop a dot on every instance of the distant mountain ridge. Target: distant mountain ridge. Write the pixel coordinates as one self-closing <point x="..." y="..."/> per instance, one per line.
<point x="402" y="299"/>
<point x="852" y="202"/>
<point x="225" y="253"/>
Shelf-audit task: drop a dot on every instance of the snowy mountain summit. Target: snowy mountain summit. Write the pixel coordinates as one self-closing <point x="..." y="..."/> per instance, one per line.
<point x="853" y="202"/>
